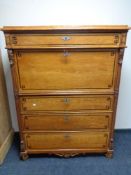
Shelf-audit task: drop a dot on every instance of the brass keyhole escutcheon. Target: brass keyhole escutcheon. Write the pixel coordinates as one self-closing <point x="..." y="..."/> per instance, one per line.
<point x="66" y="38"/>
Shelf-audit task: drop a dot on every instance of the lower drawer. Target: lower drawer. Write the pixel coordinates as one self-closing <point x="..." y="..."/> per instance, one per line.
<point x="66" y="121"/>
<point x="66" y="140"/>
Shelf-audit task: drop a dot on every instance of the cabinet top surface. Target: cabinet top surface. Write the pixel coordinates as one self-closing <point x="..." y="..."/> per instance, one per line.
<point x="70" y="27"/>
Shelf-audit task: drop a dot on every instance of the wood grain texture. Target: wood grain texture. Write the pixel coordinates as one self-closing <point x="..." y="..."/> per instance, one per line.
<point x="73" y="27"/>
<point x="64" y="71"/>
<point x="64" y="39"/>
<point x="66" y="140"/>
<point x="66" y="103"/>
<point x="66" y="83"/>
<point x="66" y="122"/>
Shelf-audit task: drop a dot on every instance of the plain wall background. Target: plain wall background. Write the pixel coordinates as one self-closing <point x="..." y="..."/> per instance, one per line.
<point x="71" y="12"/>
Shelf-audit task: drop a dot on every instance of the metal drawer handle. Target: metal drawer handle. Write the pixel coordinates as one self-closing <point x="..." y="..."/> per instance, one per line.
<point x="66" y="118"/>
<point x="66" y="53"/>
<point x="66" y="136"/>
<point x="66" y="100"/>
<point x="66" y="38"/>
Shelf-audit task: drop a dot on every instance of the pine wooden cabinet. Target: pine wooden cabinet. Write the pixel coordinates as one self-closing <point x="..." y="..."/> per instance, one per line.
<point x="66" y="84"/>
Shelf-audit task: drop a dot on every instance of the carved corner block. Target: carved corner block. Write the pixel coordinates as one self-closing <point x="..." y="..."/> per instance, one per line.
<point x="116" y="39"/>
<point x="11" y="57"/>
<point x="121" y="53"/>
<point x="7" y="40"/>
<point x="123" y="39"/>
<point x="14" y="39"/>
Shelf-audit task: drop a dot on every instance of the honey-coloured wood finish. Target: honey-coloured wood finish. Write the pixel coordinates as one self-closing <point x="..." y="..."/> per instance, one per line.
<point x="66" y="83"/>
<point x="66" y="103"/>
<point x="66" y="122"/>
<point x="65" y="72"/>
<point x="61" y="39"/>
<point x="67" y="140"/>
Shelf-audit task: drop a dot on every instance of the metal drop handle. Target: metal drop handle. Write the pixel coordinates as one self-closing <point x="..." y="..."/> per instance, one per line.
<point x="66" y="118"/>
<point x="66" y="100"/>
<point x="67" y="136"/>
<point x="66" y="53"/>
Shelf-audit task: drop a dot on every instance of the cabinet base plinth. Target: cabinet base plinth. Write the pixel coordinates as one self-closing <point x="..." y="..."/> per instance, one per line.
<point x="25" y="155"/>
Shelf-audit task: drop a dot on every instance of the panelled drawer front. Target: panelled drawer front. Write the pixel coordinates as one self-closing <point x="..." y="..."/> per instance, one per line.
<point x="65" y="70"/>
<point x="66" y="103"/>
<point x="66" y="140"/>
<point x="66" y="122"/>
<point x="65" y="39"/>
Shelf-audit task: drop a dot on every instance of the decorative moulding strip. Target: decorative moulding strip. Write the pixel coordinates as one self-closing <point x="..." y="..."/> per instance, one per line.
<point x="73" y="27"/>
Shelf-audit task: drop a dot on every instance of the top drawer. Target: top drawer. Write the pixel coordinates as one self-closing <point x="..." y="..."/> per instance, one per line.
<point x="41" y="40"/>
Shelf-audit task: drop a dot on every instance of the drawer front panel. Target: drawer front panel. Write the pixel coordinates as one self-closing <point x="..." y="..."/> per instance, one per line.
<point x="66" y="103"/>
<point x="65" y="70"/>
<point x="88" y="39"/>
<point x="67" y="140"/>
<point x="66" y="122"/>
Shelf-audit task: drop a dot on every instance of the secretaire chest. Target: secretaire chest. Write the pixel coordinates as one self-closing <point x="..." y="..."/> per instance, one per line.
<point x="66" y="84"/>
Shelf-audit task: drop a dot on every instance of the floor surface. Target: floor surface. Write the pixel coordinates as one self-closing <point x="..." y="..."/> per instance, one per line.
<point x="80" y="165"/>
